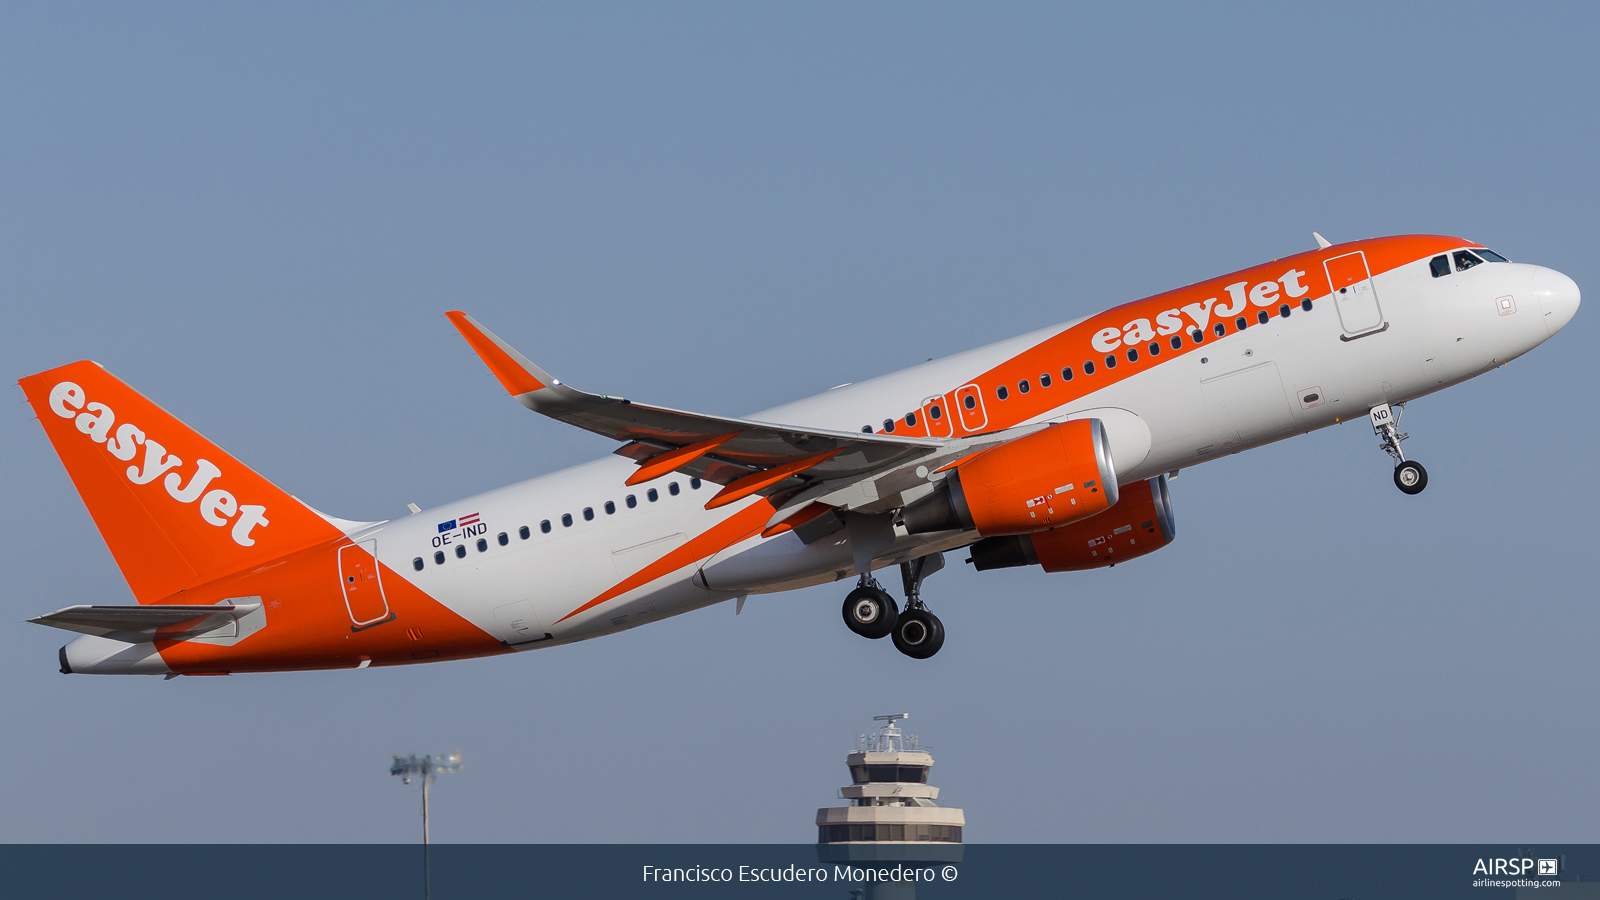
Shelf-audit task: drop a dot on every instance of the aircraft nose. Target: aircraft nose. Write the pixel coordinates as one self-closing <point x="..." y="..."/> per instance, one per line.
<point x="1558" y="298"/>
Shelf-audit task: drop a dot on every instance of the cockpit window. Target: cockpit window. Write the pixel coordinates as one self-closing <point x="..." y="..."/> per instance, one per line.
<point x="1439" y="265"/>
<point x="1491" y="256"/>
<point x="1465" y="259"/>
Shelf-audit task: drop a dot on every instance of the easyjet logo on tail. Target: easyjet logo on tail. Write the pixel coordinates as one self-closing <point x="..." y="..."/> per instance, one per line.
<point x="217" y="506"/>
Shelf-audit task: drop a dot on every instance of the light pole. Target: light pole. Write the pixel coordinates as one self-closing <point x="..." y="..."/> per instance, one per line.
<point x="425" y="767"/>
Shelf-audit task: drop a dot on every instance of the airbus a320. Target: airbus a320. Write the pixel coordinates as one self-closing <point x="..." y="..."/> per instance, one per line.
<point x="1051" y="449"/>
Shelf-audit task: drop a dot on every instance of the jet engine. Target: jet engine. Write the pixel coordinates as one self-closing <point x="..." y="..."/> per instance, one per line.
<point x="1142" y="523"/>
<point x="1054" y="476"/>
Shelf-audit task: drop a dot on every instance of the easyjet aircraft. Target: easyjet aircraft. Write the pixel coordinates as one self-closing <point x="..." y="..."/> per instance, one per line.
<point x="1049" y="449"/>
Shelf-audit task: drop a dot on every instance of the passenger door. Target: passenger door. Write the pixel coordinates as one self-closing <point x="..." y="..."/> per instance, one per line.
<point x="969" y="402"/>
<point x="363" y="585"/>
<point x="937" y="417"/>
<point x="1354" y="294"/>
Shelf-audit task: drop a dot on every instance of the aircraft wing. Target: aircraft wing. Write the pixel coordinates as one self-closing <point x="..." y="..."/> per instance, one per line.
<point x="745" y="456"/>
<point x="138" y="624"/>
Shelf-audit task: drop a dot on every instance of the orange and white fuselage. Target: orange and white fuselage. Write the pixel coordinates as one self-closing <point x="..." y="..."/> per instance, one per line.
<point x="1173" y="380"/>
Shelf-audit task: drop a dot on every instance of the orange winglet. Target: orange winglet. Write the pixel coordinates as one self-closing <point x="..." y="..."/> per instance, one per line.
<point x="513" y="377"/>
<point x="661" y="464"/>
<point x="800" y="518"/>
<point x="744" y="487"/>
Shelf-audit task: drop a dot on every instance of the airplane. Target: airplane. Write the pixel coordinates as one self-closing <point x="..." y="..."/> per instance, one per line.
<point x="1051" y="449"/>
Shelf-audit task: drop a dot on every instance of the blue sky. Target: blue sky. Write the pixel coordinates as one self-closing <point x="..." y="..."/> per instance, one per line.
<point x="257" y="215"/>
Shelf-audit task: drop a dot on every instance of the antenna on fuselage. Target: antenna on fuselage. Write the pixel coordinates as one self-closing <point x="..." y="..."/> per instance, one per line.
<point x="1322" y="242"/>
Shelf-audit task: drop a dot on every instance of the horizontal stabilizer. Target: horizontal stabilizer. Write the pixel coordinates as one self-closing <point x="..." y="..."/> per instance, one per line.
<point x="142" y="624"/>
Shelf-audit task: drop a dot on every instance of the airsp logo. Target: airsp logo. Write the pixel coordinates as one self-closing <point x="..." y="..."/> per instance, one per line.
<point x="1508" y="866"/>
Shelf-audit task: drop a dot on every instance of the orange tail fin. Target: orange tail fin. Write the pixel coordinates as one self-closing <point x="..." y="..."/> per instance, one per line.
<point x="173" y="507"/>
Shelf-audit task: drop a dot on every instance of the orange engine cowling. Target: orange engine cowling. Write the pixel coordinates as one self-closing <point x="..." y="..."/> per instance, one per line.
<point x="1059" y="474"/>
<point x="1140" y="524"/>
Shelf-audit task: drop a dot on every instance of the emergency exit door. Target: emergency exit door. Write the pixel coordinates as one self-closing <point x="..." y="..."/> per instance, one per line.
<point x="1353" y="293"/>
<point x="363" y="585"/>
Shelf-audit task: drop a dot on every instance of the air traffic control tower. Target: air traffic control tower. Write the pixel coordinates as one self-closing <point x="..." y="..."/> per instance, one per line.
<point x="892" y="815"/>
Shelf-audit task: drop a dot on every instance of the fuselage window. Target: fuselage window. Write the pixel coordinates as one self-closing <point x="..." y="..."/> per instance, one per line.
<point x="417" y="564"/>
<point x="1154" y="348"/>
<point x="1044" y="379"/>
<point x="566" y="520"/>
<point x="523" y="532"/>
<point x="1240" y="323"/>
<point x="482" y="545"/>
<point x="504" y="539"/>
<point x="1465" y="260"/>
<point x="588" y="514"/>
<point x="888" y="426"/>
<point x="672" y="488"/>
<point x="1262" y="317"/>
<point x="461" y="551"/>
<point x="1197" y="335"/>
<point x="544" y="526"/>
<point x="1283" y="310"/>
<point x="1066" y="373"/>
<point x="1219" y="329"/>
<point x="911" y="419"/>
<point x="969" y="401"/>
<point x="1111" y="360"/>
<point x="651" y="495"/>
<point x="1133" y="355"/>
<point x="935" y="413"/>
<point x="1305" y="305"/>
<point x="1088" y="367"/>
<point x="631" y="500"/>
<point x="1001" y="392"/>
<point x="1177" y="342"/>
<point x="694" y="484"/>
<point x="438" y="558"/>
<point x="1439" y="266"/>
<point x="611" y="508"/>
<point x="866" y="429"/>
<point x="1491" y="256"/>
<point x="1023" y="386"/>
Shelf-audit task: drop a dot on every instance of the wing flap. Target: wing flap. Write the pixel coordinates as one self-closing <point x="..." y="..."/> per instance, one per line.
<point x="648" y="431"/>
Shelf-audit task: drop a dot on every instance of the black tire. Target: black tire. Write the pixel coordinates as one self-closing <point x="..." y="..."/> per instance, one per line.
<point x="919" y="634"/>
<point x="870" y="612"/>
<point x="1410" y="477"/>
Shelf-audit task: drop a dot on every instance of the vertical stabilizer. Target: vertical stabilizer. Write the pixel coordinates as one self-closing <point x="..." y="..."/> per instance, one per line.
<point x="174" y="508"/>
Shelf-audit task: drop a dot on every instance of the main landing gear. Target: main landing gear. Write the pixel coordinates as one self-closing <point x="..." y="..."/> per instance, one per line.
<point x="1409" y="475"/>
<point x="870" y="612"/>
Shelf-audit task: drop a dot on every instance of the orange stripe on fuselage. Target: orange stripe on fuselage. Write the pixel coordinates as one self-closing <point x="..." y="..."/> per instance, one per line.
<point x="724" y="534"/>
<point x="1073" y="347"/>
<point x="308" y="626"/>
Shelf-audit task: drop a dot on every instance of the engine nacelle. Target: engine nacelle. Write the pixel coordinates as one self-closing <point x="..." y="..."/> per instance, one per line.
<point x="1059" y="474"/>
<point x="1142" y="523"/>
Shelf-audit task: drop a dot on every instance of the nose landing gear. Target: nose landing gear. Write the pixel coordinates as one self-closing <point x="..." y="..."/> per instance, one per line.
<point x="870" y="612"/>
<point x="1409" y="476"/>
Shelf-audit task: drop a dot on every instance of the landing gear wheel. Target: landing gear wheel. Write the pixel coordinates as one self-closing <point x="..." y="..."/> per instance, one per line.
<point x="870" y="612"/>
<point x="918" y="634"/>
<point x="1410" y="477"/>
